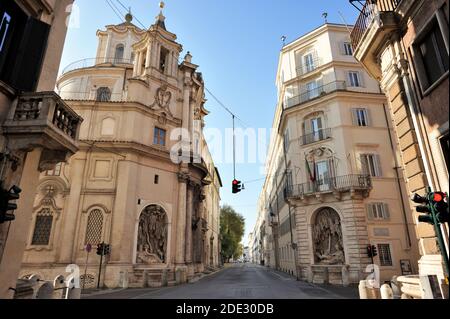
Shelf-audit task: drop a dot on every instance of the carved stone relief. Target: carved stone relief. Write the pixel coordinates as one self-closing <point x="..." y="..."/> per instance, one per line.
<point x="152" y="236"/>
<point x="162" y="99"/>
<point x="327" y="238"/>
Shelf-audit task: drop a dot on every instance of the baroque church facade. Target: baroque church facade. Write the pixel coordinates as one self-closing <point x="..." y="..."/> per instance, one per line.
<point x="143" y="180"/>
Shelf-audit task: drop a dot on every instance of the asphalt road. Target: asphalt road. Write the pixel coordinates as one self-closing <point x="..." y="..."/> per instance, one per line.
<point x="242" y="281"/>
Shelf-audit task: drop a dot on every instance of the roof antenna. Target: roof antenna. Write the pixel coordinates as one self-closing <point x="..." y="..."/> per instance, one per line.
<point x="325" y="16"/>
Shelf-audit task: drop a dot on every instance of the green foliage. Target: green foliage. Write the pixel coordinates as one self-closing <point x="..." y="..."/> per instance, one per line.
<point x="232" y="227"/>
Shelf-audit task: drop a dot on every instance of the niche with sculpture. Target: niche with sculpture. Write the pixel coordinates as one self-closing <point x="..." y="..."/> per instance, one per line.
<point x="327" y="238"/>
<point x="152" y="236"/>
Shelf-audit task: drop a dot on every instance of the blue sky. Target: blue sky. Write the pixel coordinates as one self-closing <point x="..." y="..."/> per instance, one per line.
<point x="237" y="44"/>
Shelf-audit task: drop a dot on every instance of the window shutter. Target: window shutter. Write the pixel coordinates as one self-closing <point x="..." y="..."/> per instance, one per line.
<point x="364" y="167"/>
<point x="342" y="48"/>
<point x="386" y="213"/>
<point x="361" y="79"/>
<point x="368" y="117"/>
<point x="370" y="213"/>
<point x="377" y="159"/>
<point x="355" y="117"/>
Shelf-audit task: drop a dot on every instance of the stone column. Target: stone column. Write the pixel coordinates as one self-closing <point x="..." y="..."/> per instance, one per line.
<point x="189" y="224"/>
<point x="20" y="228"/>
<point x="140" y="60"/>
<point x="108" y="48"/>
<point x="68" y="247"/>
<point x="148" y="57"/>
<point x="181" y="220"/>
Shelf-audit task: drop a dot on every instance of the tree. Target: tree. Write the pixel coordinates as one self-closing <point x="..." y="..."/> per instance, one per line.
<point x="232" y="226"/>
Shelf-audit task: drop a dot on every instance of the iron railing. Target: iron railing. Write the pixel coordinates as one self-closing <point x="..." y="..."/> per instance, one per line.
<point x="91" y="62"/>
<point x="315" y="93"/>
<point x="320" y="135"/>
<point x="341" y="183"/>
<point x="93" y="96"/>
<point x="308" y="67"/>
<point x="370" y="10"/>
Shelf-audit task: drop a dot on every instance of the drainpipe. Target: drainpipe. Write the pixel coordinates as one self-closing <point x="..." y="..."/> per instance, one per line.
<point x="397" y="167"/>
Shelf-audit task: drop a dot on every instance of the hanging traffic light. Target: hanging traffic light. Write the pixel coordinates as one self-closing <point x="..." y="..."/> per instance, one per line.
<point x="237" y="186"/>
<point x="5" y="206"/>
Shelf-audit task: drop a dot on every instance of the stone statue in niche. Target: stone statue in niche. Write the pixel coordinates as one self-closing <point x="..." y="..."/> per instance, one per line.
<point x="152" y="236"/>
<point x="327" y="237"/>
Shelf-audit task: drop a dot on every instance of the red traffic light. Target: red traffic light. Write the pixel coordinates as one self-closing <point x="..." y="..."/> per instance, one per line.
<point x="439" y="197"/>
<point x="235" y="182"/>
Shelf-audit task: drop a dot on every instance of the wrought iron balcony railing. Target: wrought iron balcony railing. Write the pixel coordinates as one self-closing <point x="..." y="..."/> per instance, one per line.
<point x="93" y="96"/>
<point x="341" y="184"/>
<point x="320" y="135"/>
<point x="91" y="62"/>
<point x="315" y="93"/>
<point x="370" y="10"/>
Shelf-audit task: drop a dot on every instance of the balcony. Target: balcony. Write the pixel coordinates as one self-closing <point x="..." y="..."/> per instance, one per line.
<point x="96" y="62"/>
<point x="320" y="135"/>
<point x="315" y="93"/>
<point x="309" y="67"/>
<point x="43" y="119"/>
<point x="377" y="20"/>
<point x="336" y="185"/>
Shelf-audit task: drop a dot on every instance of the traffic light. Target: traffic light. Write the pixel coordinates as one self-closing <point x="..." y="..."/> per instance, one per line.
<point x="237" y="186"/>
<point x="372" y="251"/>
<point x="100" y="249"/>
<point x="107" y="249"/>
<point x="5" y="205"/>
<point x="436" y="203"/>
<point x="440" y="202"/>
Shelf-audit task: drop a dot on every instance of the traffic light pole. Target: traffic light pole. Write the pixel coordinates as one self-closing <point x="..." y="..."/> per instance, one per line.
<point x="440" y="237"/>
<point x="100" y="267"/>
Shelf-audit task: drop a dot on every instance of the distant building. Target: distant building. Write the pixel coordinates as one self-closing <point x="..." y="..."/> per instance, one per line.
<point x="332" y="188"/>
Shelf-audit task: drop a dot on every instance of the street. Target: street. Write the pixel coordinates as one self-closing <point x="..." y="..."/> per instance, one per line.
<point x="241" y="281"/>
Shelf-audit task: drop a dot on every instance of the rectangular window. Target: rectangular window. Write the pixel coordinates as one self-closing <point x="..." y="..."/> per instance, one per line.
<point x="156" y="179"/>
<point x="312" y="90"/>
<point x="354" y="79"/>
<point x="370" y="164"/>
<point x="163" y="60"/>
<point x="378" y="211"/>
<point x="384" y="252"/>
<point x="309" y="62"/>
<point x="432" y="57"/>
<point x="361" y="117"/>
<point x="159" y="137"/>
<point x="348" y="50"/>
<point x="56" y="171"/>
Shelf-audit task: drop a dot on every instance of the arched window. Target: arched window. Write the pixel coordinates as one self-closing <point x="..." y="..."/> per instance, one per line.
<point x="118" y="57"/>
<point x="94" y="227"/>
<point x="42" y="227"/>
<point x="103" y="94"/>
